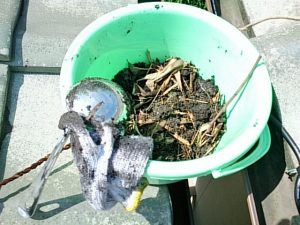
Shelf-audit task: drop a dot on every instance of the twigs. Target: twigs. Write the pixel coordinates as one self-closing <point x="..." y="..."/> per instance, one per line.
<point x="269" y="18"/>
<point x="177" y="108"/>
<point x="164" y="125"/>
<point x="223" y="109"/>
<point x="168" y="101"/>
<point x="30" y="168"/>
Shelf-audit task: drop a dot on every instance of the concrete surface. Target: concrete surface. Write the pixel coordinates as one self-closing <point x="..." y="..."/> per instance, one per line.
<point x="260" y="9"/>
<point x="278" y="41"/>
<point x="8" y="17"/>
<point x="279" y="44"/>
<point x="47" y="28"/>
<point x="42" y="37"/>
<point x="43" y="34"/>
<point x="281" y="50"/>
<point x="34" y="109"/>
<point x="273" y="190"/>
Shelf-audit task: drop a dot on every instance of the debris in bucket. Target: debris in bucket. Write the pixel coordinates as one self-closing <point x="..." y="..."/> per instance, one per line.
<point x="174" y="105"/>
<point x="111" y="166"/>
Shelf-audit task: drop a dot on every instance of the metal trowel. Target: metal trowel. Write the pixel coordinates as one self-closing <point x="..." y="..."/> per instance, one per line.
<point x="103" y="99"/>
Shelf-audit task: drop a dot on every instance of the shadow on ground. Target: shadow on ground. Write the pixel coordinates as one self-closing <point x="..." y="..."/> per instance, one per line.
<point x="266" y="174"/>
<point x="150" y="204"/>
<point x="6" y="126"/>
<point x="60" y="205"/>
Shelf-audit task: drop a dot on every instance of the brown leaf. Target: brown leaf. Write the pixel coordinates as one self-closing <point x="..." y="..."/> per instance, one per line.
<point x="178" y="80"/>
<point x="177" y="112"/>
<point x="150" y="84"/>
<point x="169" y="89"/>
<point x="172" y="65"/>
<point x="192" y="78"/>
<point x="192" y="118"/>
<point x="216" y="131"/>
<point x="165" y="84"/>
<point x="216" y="98"/>
<point x="164" y="125"/>
<point x="142" y="91"/>
<point x="204" y="127"/>
<point x="185" y="84"/>
<point x="144" y="122"/>
<point x="184" y="121"/>
<point x="181" y="139"/>
<point x="196" y="100"/>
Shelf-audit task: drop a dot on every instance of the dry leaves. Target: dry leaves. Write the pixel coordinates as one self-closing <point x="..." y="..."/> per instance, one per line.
<point x="174" y="105"/>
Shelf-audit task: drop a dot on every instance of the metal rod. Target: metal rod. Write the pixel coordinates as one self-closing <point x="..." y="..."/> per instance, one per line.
<point x="31" y="200"/>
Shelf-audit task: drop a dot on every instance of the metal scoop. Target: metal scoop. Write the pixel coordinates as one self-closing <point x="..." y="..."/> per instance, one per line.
<point x="101" y="98"/>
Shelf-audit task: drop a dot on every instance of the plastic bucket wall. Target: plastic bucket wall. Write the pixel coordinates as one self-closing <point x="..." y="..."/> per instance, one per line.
<point x="217" y="48"/>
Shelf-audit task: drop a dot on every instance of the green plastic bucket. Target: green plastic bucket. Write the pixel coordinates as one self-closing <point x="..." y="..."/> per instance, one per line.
<point x="217" y="48"/>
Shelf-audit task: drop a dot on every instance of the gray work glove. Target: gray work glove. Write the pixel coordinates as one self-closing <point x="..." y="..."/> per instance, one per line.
<point x="111" y="166"/>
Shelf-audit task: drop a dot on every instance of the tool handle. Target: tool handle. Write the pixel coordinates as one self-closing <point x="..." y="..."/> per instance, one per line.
<point x="30" y="204"/>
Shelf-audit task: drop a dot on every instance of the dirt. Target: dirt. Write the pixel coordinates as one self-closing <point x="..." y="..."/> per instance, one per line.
<point x="175" y="106"/>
